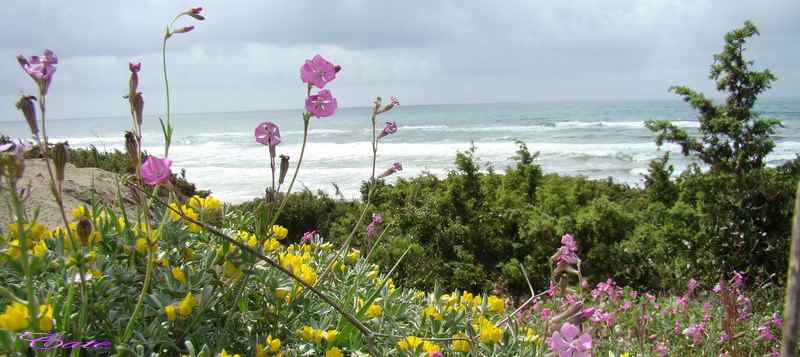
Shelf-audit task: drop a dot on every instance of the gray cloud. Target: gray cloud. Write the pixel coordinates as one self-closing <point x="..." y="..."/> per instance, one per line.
<point x="246" y="55"/>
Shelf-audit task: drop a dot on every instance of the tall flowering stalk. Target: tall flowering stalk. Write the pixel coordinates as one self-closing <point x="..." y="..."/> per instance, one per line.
<point x="195" y="13"/>
<point x="41" y="70"/>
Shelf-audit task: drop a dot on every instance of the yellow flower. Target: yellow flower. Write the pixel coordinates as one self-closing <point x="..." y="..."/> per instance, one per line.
<point x="271" y="245"/>
<point x="185" y="307"/>
<point x="188" y="254"/>
<point x="373" y="311"/>
<point x="306" y="333"/>
<point x="429" y="347"/>
<point x="13" y="251"/>
<point x="334" y="352"/>
<point x="273" y="344"/>
<point x="281" y="293"/>
<point x="431" y="311"/>
<point x="91" y="256"/>
<point x="489" y="333"/>
<point x="170" y="311"/>
<point x="39" y="248"/>
<point x="15" y="318"/>
<point x="496" y="304"/>
<point x="459" y="345"/>
<point x="353" y="255"/>
<point x="225" y="354"/>
<point x="232" y="271"/>
<point x="625" y="355"/>
<point x="177" y="273"/>
<point x="141" y="245"/>
<point x="331" y="335"/>
<point x="46" y="321"/>
<point x="79" y="211"/>
<point x="375" y="270"/>
<point x="410" y="343"/>
<point x="259" y="350"/>
<point x="308" y="274"/>
<point x="204" y="203"/>
<point x="279" y="231"/>
<point x="318" y="336"/>
<point x="252" y="241"/>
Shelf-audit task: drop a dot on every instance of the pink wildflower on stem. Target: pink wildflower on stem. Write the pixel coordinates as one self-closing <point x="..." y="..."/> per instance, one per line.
<point x="155" y="171"/>
<point x="321" y="105"/>
<point x="317" y="72"/>
<point x="378" y="109"/>
<point x="267" y="133"/>
<point x="391" y="128"/>
<point x="371" y="229"/>
<point x="395" y="168"/>
<point x="308" y="236"/>
<point x="41" y="69"/>
<point x="567" y="343"/>
<point x="377" y="218"/>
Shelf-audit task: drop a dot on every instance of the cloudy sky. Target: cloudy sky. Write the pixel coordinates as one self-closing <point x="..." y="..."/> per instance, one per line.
<point x="246" y="54"/>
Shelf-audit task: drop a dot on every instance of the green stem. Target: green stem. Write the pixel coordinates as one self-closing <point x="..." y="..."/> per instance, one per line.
<point x="129" y="328"/>
<point x="33" y="305"/>
<point x="296" y="171"/>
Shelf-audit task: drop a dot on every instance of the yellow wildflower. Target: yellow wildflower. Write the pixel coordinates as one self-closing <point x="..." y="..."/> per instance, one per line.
<point x="141" y="245"/>
<point x="459" y="345"/>
<point x="334" y="352"/>
<point x="188" y="254"/>
<point x="279" y="231"/>
<point x="232" y="271"/>
<point x="273" y="344"/>
<point x="373" y="311"/>
<point x="185" y="307"/>
<point x="46" y="321"/>
<point x="429" y="347"/>
<point x="306" y="333"/>
<point x="431" y="311"/>
<point x="39" y="248"/>
<point x="281" y="293"/>
<point x="625" y="355"/>
<point x="331" y="335"/>
<point x="271" y="245"/>
<point x="353" y="256"/>
<point x="13" y="251"/>
<point x="225" y="354"/>
<point x="177" y="273"/>
<point x="204" y="203"/>
<point x="170" y="311"/>
<point x="375" y="270"/>
<point x="260" y="350"/>
<point x="496" y="304"/>
<point x="15" y="318"/>
<point x="409" y="343"/>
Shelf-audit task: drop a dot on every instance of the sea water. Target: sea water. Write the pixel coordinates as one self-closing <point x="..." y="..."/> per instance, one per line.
<point x="597" y="139"/>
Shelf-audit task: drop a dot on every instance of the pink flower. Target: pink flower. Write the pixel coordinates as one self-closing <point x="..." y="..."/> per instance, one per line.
<point x="155" y="171"/>
<point x="43" y="72"/>
<point x="134" y="67"/>
<point x="390" y="128"/>
<point x="568" y="241"/>
<point x="267" y="133"/>
<point x="395" y="101"/>
<point x="436" y="354"/>
<point x="661" y="349"/>
<point x="317" y="72"/>
<point x="397" y="167"/>
<point x="308" y="236"/>
<point x="377" y="218"/>
<point x="777" y="320"/>
<point x="321" y="105"/>
<point x="372" y="230"/>
<point x="568" y="344"/>
<point x="692" y="284"/>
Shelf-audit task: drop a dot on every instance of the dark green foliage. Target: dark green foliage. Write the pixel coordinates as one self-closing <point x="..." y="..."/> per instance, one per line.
<point x="744" y="203"/>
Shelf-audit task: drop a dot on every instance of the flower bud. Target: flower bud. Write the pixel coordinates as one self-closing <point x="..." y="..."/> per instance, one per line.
<point x="84" y="230"/>
<point x="25" y="104"/>
<point x="184" y="29"/>
<point x="387" y="107"/>
<point x="377" y="106"/>
<point x="337" y="68"/>
<point x="576" y="308"/>
<point x="395" y="168"/>
<point x="270" y="198"/>
<point x="133" y="84"/>
<point x="195" y="13"/>
<point x="132" y="146"/>
<point x="60" y="159"/>
<point x="137" y="106"/>
<point x="284" y="168"/>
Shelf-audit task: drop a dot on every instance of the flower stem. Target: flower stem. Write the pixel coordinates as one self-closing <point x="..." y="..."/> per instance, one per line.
<point x="148" y="273"/>
<point x="296" y="171"/>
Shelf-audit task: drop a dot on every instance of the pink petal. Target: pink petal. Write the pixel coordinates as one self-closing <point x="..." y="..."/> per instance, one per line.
<point x="559" y="344"/>
<point x="585" y="342"/>
<point x="569" y="331"/>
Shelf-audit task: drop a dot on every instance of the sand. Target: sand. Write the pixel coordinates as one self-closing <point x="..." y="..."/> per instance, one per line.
<point x="81" y="186"/>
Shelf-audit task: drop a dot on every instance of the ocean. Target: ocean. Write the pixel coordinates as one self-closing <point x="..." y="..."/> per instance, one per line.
<point x="597" y="139"/>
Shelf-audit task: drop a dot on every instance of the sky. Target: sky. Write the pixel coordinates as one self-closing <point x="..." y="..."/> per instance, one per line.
<point x="246" y="55"/>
